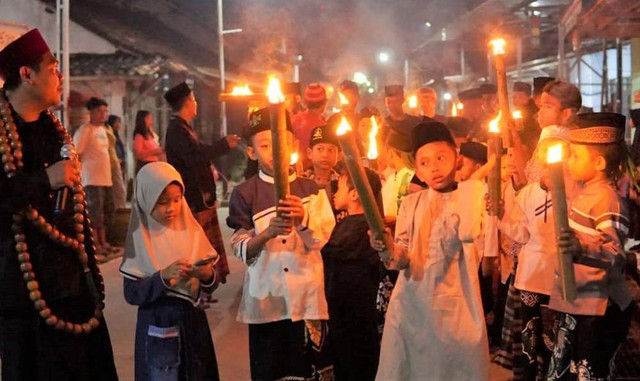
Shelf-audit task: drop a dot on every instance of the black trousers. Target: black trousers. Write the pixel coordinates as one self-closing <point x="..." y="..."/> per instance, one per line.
<point x="289" y="350"/>
<point x="586" y="345"/>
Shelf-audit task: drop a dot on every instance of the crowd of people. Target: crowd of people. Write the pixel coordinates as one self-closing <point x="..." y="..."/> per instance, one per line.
<point x="450" y="288"/>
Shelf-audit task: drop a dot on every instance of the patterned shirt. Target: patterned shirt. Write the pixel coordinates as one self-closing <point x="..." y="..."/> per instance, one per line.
<point x="599" y="219"/>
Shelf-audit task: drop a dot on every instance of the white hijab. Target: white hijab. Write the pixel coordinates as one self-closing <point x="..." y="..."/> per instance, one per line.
<point x="151" y="246"/>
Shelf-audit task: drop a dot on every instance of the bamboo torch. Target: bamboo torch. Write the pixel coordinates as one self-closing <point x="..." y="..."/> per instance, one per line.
<point x="360" y="182"/>
<point x="280" y="149"/>
<point x="498" y="46"/>
<point x="561" y="221"/>
<point x="494" y="180"/>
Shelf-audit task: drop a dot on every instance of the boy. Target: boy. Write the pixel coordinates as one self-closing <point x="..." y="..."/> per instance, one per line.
<point x="435" y="326"/>
<point x="323" y="152"/>
<point x="283" y="298"/>
<point x="351" y="283"/>
<point x="592" y="327"/>
<point x="559" y="103"/>
<point x="530" y="223"/>
<point x="473" y="156"/>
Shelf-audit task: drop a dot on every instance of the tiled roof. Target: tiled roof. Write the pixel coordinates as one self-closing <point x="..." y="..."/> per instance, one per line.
<point x="119" y="63"/>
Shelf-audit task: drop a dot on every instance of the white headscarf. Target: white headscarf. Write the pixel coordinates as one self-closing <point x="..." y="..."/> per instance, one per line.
<point x="151" y="246"/>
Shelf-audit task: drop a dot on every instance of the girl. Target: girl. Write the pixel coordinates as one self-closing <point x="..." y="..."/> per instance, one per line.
<point x="168" y="271"/>
<point x="145" y="142"/>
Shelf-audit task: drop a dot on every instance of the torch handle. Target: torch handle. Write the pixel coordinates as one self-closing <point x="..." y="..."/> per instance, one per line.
<point x="361" y="184"/>
<point x="494" y="179"/>
<point x="280" y="150"/>
<point x="503" y="98"/>
<point x="561" y="223"/>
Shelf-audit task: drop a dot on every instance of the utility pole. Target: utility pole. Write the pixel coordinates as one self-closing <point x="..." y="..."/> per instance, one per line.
<point x="221" y="33"/>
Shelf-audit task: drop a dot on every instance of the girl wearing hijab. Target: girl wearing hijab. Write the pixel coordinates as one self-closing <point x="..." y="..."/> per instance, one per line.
<point x="168" y="273"/>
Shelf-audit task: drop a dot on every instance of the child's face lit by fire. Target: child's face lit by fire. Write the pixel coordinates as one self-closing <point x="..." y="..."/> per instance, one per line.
<point x="260" y="149"/>
<point x="436" y="164"/>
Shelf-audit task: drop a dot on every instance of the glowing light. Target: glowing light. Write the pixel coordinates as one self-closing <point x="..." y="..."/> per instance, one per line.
<point x="455" y="107"/>
<point x="498" y="46"/>
<point x="241" y="90"/>
<point x="413" y="101"/>
<point x="446" y="96"/>
<point x="294" y="158"/>
<point x="384" y="57"/>
<point x="459" y="106"/>
<point x="343" y="128"/>
<point x="517" y="114"/>
<point x="493" y="125"/>
<point x="371" y="90"/>
<point x="274" y="91"/>
<point x="554" y="154"/>
<point x="343" y="99"/>
<point x="372" y="152"/>
<point x="360" y="78"/>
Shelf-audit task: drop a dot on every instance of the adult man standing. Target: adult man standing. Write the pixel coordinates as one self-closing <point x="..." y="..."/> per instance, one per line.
<point x="427" y="101"/>
<point x="397" y="120"/>
<point x="92" y="145"/>
<point x="193" y="160"/>
<point x="473" y="110"/>
<point x="44" y="254"/>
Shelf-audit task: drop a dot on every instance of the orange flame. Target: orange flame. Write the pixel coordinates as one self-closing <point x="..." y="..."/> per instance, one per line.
<point x="554" y="153"/>
<point x="343" y="99"/>
<point x="517" y="114"/>
<point x="241" y="90"/>
<point x="459" y="106"/>
<point x="294" y="158"/>
<point x="372" y="152"/>
<point x="493" y="125"/>
<point x="343" y="128"/>
<point x="274" y="91"/>
<point x="413" y="101"/>
<point x="498" y="46"/>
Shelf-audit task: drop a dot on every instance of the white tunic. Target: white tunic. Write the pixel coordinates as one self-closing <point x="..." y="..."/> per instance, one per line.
<point x="435" y="328"/>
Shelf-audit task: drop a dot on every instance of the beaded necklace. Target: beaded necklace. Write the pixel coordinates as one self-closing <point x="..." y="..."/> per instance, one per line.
<point x="11" y="150"/>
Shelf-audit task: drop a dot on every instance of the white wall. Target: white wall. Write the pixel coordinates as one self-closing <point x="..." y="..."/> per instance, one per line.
<point x="33" y="13"/>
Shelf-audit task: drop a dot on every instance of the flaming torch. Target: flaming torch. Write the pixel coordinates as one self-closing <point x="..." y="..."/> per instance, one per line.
<point x="372" y="151"/>
<point x="498" y="47"/>
<point x="560" y="219"/>
<point x="280" y="149"/>
<point x="360" y="182"/>
<point x="518" y="120"/>
<point x="456" y="107"/>
<point x="241" y="90"/>
<point x="495" y="148"/>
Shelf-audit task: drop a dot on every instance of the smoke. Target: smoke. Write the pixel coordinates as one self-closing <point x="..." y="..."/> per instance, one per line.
<point x="337" y="38"/>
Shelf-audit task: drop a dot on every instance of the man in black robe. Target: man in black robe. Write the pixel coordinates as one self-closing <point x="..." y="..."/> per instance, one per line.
<point x="29" y="348"/>
<point x="194" y="159"/>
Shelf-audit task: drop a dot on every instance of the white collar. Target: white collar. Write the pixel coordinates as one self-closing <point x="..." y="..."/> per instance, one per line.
<point x="269" y="179"/>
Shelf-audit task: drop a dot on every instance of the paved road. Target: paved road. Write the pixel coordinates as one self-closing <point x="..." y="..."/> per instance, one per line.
<point x="229" y="337"/>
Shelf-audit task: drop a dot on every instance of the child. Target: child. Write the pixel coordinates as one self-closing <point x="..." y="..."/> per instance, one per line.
<point x="592" y="327"/>
<point x="283" y="298"/>
<point x="397" y="186"/>
<point x="351" y="270"/>
<point x="559" y="103"/>
<point x="473" y="156"/>
<point x="323" y="153"/>
<point x="435" y="326"/>
<point x="530" y="223"/>
<point x="163" y="277"/>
